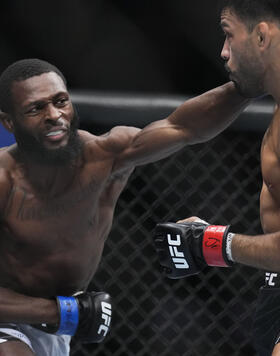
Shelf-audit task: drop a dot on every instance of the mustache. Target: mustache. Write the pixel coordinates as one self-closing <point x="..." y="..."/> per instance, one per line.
<point x="60" y="124"/>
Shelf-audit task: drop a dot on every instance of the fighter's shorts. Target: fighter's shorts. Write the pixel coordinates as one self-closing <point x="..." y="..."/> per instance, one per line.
<point x="41" y="343"/>
<point x="267" y="318"/>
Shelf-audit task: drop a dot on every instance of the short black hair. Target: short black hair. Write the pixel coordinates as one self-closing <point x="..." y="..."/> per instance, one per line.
<point x="22" y="70"/>
<point x="251" y="12"/>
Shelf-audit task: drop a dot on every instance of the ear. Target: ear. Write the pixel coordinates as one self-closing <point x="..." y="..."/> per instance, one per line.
<point x="263" y="35"/>
<point x="7" y="121"/>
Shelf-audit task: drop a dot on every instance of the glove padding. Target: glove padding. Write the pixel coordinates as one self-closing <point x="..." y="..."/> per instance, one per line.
<point x="184" y="249"/>
<point x="86" y="316"/>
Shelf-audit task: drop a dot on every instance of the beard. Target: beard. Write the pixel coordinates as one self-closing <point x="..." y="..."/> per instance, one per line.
<point x="31" y="148"/>
<point x="248" y="78"/>
<point x="249" y="86"/>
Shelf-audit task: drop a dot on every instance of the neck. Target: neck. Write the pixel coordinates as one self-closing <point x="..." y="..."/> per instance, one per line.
<point x="273" y="87"/>
<point x="272" y="79"/>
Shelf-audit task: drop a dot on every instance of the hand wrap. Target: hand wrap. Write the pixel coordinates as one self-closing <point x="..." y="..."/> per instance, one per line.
<point x="185" y="248"/>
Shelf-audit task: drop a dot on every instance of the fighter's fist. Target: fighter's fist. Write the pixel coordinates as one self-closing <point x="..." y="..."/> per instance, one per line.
<point x="87" y="316"/>
<point x="185" y="248"/>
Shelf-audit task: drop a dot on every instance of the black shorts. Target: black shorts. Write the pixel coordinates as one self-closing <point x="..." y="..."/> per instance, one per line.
<point x="267" y="318"/>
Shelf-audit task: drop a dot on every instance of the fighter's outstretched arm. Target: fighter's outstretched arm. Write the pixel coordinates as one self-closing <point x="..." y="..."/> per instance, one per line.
<point x="197" y="120"/>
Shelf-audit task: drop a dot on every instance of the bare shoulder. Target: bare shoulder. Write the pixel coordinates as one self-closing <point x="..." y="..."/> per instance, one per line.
<point x="113" y="141"/>
<point x="109" y="147"/>
<point x="118" y="138"/>
<point x="7" y="165"/>
<point x="272" y="135"/>
<point x="7" y="161"/>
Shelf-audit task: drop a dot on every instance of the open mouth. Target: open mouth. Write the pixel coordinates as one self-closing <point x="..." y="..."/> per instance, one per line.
<point x="56" y="135"/>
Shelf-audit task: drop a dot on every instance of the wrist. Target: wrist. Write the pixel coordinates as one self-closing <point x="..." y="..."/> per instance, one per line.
<point x="48" y="309"/>
<point x="229" y="239"/>
<point x="63" y="316"/>
<point x="214" y="246"/>
<point x="69" y="315"/>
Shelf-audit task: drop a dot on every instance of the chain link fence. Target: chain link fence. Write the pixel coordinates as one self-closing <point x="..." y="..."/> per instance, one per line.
<point x="207" y="314"/>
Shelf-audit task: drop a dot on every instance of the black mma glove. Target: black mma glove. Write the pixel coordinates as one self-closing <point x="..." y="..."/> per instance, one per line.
<point x="185" y="248"/>
<point x="87" y="316"/>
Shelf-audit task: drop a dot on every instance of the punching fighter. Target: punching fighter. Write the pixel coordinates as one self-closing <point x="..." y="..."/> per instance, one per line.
<point x="251" y="53"/>
<point x="58" y="191"/>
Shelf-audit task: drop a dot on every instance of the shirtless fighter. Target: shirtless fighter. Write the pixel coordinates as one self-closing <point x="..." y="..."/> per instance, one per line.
<point x="252" y="57"/>
<point x="58" y="191"/>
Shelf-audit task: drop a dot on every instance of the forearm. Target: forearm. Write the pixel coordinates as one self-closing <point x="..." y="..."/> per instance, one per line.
<point x="197" y="120"/>
<point x="19" y="308"/>
<point x="207" y="115"/>
<point x="261" y="251"/>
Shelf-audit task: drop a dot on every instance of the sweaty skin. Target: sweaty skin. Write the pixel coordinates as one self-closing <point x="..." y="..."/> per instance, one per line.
<point x="55" y="219"/>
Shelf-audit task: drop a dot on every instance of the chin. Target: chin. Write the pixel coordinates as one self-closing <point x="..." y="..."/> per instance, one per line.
<point x="55" y="146"/>
<point x="245" y="92"/>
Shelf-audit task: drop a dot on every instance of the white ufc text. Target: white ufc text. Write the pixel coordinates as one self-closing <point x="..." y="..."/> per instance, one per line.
<point x="177" y="257"/>
<point x="106" y="316"/>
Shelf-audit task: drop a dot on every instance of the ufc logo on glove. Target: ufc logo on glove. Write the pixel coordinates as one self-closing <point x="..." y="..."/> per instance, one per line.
<point x="184" y="249"/>
<point x="106" y="316"/>
<point x="177" y="257"/>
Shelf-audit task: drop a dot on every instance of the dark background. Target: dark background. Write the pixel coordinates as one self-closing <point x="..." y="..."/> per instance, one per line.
<point x="119" y="45"/>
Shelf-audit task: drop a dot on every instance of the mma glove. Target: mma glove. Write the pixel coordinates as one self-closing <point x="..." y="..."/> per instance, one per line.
<point x="86" y="316"/>
<point x="184" y="249"/>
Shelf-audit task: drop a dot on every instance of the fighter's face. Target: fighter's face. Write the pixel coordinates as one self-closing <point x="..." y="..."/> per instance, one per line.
<point x="45" y="122"/>
<point x="241" y="56"/>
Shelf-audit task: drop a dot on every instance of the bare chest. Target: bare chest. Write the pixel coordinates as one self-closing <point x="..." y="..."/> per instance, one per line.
<point x="54" y="233"/>
<point x="34" y="211"/>
<point x="25" y="204"/>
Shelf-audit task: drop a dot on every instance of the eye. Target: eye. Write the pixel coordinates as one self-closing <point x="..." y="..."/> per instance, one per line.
<point x="33" y="110"/>
<point x="62" y="102"/>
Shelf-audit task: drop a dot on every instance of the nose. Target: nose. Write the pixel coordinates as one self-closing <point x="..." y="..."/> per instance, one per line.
<point x="52" y="112"/>
<point x="225" y="53"/>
